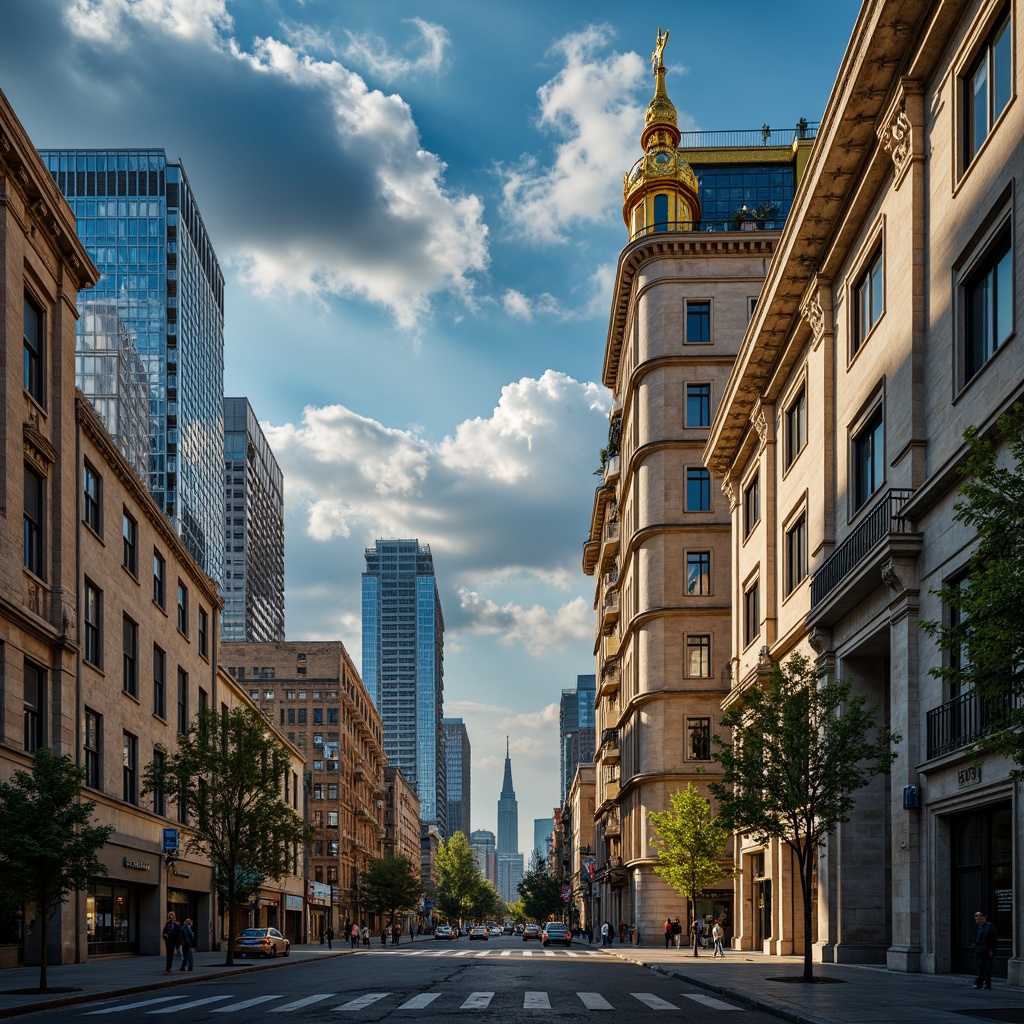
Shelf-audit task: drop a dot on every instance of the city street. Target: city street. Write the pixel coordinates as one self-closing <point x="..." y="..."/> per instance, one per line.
<point x="504" y="979"/>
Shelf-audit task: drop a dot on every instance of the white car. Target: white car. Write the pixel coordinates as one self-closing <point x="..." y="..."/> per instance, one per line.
<point x="495" y="933"/>
<point x="444" y="931"/>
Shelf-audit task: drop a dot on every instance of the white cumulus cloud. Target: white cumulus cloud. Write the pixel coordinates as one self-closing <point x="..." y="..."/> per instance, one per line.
<point x="375" y="54"/>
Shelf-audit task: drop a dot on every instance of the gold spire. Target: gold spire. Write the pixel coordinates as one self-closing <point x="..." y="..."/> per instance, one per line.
<point x="660" y="111"/>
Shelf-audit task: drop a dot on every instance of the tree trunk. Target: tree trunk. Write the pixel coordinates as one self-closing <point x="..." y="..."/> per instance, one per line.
<point x="44" y="916"/>
<point x="230" y="961"/>
<point x="805" y="884"/>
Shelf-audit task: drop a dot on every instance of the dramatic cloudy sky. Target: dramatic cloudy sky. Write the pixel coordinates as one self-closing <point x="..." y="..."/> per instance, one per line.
<point x="417" y="207"/>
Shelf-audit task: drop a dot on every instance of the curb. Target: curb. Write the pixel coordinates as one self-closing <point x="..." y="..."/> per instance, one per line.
<point x="95" y="997"/>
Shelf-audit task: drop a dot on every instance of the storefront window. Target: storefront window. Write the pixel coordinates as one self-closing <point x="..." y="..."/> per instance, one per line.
<point x="111" y="913"/>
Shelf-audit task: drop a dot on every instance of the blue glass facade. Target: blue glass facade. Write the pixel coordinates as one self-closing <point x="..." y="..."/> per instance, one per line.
<point x="141" y="225"/>
<point x="458" y="775"/>
<point x="728" y="188"/>
<point x="576" y="729"/>
<point x="403" y="666"/>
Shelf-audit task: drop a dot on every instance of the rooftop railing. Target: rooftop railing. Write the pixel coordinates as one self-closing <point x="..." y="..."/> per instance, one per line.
<point x="764" y="136"/>
<point x="775" y="223"/>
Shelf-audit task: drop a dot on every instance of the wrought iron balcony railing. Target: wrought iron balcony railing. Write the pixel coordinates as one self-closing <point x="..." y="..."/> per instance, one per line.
<point x="963" y="720"/>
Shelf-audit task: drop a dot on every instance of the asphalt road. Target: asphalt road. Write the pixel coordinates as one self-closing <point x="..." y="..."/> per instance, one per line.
<point x="503" y="980"/>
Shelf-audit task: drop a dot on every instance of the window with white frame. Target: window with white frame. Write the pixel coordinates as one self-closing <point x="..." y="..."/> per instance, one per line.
<point x="698" y="656"/>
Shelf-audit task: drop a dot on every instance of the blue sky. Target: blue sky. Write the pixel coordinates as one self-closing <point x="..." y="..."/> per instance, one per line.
<point x="418" y="212"/>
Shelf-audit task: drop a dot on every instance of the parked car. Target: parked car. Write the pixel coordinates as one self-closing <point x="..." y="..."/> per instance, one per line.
<point x="531" y="931"/>
<point x="555" y="931"/>
<point x="266" y="942"/>
<point x="480" y="931"/>
<point x="444" y="931"/>
<point x="495" y="932"/>
<point x="507" y="930"/>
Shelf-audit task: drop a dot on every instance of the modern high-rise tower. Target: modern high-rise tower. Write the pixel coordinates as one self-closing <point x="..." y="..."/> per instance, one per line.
<point x="457" y="759"/>
<point x="141" y="225"/>
<point x="510" y="860"/>
<point x="403" y="666"/>
<point x="253" y="530"/>
<point x="576" y="730"/>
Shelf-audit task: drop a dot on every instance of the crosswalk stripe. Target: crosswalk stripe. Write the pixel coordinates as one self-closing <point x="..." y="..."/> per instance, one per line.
<point x="464" y="952"/>
<point x="133" y="1006"/>
<point x="362" y="1002"/>
<point x="188" y="1006"/>
<point x="548" y="952"/>
<point x="418" y="1002"/>
<point x="506" y="952"/>
<point x="710" y="1001"/>
<point x="478" y="1001"/>
<point x="653" y="1001"/>
<point x="299" y="1003"/>
<point x="527" y="952"/>
<point x="235" y="1007"/>
<point x="569" y="952"/>
<point x="594" y="1001"/>
<point x="484" y="953"/>
<point x="536" y="1001"/>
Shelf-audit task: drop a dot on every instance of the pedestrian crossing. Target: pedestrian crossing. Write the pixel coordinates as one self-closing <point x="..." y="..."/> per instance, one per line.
<point x="529" y="954"/>
<point x="432" y="1002"/>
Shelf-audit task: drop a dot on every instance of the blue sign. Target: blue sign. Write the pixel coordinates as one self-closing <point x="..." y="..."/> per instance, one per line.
<point x="170" y="840"/>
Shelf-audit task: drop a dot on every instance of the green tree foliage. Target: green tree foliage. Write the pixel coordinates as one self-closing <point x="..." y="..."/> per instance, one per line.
<point x="390" y="885"/>
<point x="516" y="912"/>
<point x="47" y="845"/>
<point x="230" y="772"/>
<point x="457" y="879"/>
<point x="690" y="842"/>
<point x="541" y="894"/>
<point x="487" y="903"/>
<point x="801" y="747"/>
<point x="984" y="644"/>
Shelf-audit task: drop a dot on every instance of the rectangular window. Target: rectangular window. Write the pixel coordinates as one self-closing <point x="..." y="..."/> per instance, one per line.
<point x="318" y="791"/>
<point x="332" y="716"/>
<point x="698" y="490"/>
<point x="182" y="701"/>
<point x="204" y="632"/>
<point x="698" y="657"/>
<point x="131" y="768"/>
<point x="182" y="608"/>
<point x="159" y="682"/>
<point x="698" y="573"/>
<point x="796" y="554"/>
<point x="796" y="427"/>
<point x="751" y="505"/>
<point x="698" y="322"/>
<point x="868" y="301"/>
<point x="159" y="798"/>
<point x="130" y="543"/>
<point x="92" y="740"/>
<point x="130" y="649"/>
<point x="752" y="613"/>
<point x="291" y="716"/>
<point x="698" y="405"/>
<point x="318" y="739"/>
<point x="35" y="494"/>
<point x="868" y="459"/>
<point x="332" y="848"/>
<point x="318" y="716"/>
<point x="35" y="707"/>
<point x="93" y="614"/>
<point x="332" y="819"/>
<point x="34" y="348"/>
<point x="988" y="85"/>
<point x="159" y="580"/>
<point x="92" y="495"/>
<point x="988" y="306"/>
<point x="302" y="716"/>
<point x="332" y="791"/>
<point x="698" y="739"/>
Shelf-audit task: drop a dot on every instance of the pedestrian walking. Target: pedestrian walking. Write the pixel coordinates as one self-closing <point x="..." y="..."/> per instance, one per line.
<point x="364" y="934"/>
<point x="677" y="933"/>
<point x="353" y="935"/>
<point x="172" y="939"/>
<point x="188" y="941"/>
<point x="718" y="934"/>
<point x="622" y="932"/>
<point x="697" y="931"/>
<point x="985" y="942"/>
<point x="668" y="932"/>
<point x="330" y="935"/>
<point x="606" y="932"/>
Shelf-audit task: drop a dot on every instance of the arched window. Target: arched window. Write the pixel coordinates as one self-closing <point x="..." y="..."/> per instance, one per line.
<point x="661" y="212"/>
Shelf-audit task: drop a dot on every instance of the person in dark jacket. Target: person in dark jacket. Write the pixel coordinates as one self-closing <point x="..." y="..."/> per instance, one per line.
<point x="188" y="941"/>
<point x="985" y="942"/>
<point x="172" y="939"/>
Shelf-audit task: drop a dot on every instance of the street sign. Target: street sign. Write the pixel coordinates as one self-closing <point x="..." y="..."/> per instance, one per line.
<point x="170" y="840"/>
<point x="566" y="893"/>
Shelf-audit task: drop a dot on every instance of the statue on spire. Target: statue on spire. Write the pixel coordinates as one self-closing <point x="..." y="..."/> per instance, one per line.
<point x="657" y="57"/>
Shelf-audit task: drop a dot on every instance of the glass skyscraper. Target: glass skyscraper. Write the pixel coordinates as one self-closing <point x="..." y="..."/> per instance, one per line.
<point x="510" y="860"/>
<point x="403" y="666"/>
<point x="576" y="730"/>
<point x="457" y="760"/>
<point x="141" y="225"/>
<point x="253" y="530"/>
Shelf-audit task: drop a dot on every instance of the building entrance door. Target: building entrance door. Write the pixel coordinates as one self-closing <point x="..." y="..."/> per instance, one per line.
<point x="762" y="912"/>
<point x="981" y="847"/>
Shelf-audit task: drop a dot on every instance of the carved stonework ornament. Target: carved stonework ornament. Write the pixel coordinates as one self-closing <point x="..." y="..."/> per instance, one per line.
<point x="760" y="421"/>
<point x="889" y="577"/>
<point x="819" y="640"/>
<point x="729" y="490"/>
<point x="895" y="137"/>
<point x="37" y="447"/>
<point x="812" y="312"/>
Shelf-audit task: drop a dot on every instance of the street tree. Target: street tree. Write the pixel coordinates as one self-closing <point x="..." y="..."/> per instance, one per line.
<point x="690" y="842"/>
<point x="983" y="641"/>
<point x="48" y="845"/>
<point x="541" y="894"/>
<point x="457" y="878"/>
<point x="487" y="905"/>
<point x="230" y="774"/>
<point x="391" y="886"/>
<point x="801" y="748"/>
<point x="516" y="912"/>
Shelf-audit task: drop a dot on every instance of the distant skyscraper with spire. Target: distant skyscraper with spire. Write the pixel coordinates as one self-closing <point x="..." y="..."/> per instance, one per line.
<point x="510" y="860"/>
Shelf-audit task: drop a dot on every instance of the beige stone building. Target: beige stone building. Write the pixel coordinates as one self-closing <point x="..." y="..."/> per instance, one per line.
<point x="401" y="818"/>
<point x="659" y="544"/>
<point x="313" y="694"/>
<point x="108" y="629"/>
<point x="577" y="844"/>
<point x="887" y="325"/>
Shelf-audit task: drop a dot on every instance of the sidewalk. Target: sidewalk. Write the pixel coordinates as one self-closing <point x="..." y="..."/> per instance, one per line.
<point x="104" y="977"/>
<point x="854" y="994"/>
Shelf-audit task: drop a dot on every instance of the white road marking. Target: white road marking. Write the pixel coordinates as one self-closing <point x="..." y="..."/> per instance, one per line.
<point x="418" y="1002"/>
<point x="478" y="1001"/>
<point x="235" y="1007"/>
<point x="299" y="1003"/>
<point x="569" y="952"/>
<point x="133" y="1006"/>
<point x="527" y="952"/>
<point x="653" y="1001"/>
<point x="594" y="1001"/>
<point x="189" y="1006"/>
<point x="710" y="1001"/>
<point x="536" y="1001"/>
<point x="484" y="953"/>
<point x="362" y="1002"/>
<point x="506" y="952"/>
